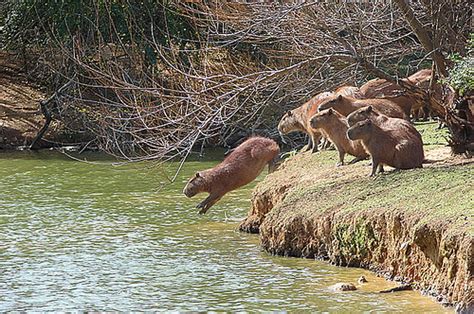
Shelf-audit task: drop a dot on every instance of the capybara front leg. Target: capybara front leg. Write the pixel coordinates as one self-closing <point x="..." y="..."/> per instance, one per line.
<point x="375" y="165"/>
<point x="272" y="164"/>
<point x="341" y="158"/>
<point x="315" y="141"/>
<point x="207" y="203"/>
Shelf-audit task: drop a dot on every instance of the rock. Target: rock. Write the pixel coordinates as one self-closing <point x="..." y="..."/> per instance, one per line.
<point x="362" y="280"/>
<point x="399" y="288"/>
<point x="343" y="286"/>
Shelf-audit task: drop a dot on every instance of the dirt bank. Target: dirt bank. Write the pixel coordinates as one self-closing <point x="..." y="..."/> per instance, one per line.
<point x="415" y="226"/>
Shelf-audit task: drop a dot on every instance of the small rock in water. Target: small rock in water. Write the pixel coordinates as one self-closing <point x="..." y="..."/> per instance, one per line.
<point x="362" y="280"/>
<point x="342" y="286"/>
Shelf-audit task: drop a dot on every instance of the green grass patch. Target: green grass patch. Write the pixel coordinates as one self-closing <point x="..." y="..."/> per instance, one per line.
<point x="432" y="136"/>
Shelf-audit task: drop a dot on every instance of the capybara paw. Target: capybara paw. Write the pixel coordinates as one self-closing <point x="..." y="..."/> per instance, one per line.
<point x="340" y="163"/>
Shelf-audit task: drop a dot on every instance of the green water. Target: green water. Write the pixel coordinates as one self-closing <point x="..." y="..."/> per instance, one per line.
<point x="80" y="236"/>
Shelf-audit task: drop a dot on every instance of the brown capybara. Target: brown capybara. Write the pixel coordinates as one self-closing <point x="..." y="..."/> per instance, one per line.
<point x="241" y="167"/>
<point x="345" y="105"/>
<point x="351" y="91"/>
<point x="335" y="127"/>
<point x="393" y="124"/>
<point x="380" y="88"/>
<point x="297" y="120"/>
<point x="401" y="152"/>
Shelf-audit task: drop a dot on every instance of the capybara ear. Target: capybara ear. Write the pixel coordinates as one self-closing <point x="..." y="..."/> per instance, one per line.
<point x="339" y="98"/>
<point x="198" y="175"/>
<point x="289" y="113"/>
<point x="330" y="111"/>
<point x="369" y="108"/>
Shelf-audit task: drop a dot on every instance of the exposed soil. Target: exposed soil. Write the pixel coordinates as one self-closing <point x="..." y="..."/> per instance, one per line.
<point x="415" y="226"/>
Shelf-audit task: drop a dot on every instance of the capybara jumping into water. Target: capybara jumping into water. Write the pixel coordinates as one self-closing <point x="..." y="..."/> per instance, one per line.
<point x="241" y="167"/>
<point x="335" y="127"/>
<point x="401" y="152"/>
<point x="297" y="120"/>
<point x="345" y="105"/>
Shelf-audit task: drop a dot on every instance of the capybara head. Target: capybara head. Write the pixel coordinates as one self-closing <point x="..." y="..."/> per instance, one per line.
<point x="361" y="114"/>
<point x="195" y="185"/>
<point x="288" y="123"/>
<point x="320" y="119"/>
<point x="331" y="102"/>
<point x="361" y="130"/>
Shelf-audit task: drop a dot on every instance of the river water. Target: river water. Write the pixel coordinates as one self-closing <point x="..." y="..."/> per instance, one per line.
<point x="82" y="236"/>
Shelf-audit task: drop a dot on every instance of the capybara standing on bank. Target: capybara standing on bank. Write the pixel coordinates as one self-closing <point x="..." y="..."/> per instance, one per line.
<point x="380" y="88"/>
<point x="297" y="120"/>
<point x="241" y="167"/>
<point x="387" y="123"/>
<point x="401" y="152"/>
<point x="345" y="105"/>
<point x="335" y="127"/>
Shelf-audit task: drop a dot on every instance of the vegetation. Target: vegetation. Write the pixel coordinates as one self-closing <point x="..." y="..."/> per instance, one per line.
<point x="153" y="79"/>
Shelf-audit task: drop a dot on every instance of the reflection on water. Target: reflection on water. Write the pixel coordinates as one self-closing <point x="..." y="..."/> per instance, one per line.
<point x="76" y="236"/>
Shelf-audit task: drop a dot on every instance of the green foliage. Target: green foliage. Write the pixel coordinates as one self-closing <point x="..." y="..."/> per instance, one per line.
<point x="356" y="241"/>
<point x="38" y="22"/>
<point x="461" y="76"/>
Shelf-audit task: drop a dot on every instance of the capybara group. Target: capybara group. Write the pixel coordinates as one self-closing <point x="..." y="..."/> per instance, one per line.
<point x="335" y="127"/>
<point x="372" y="120"/>
<point x="345" y="105"/>
<point x="386" y="147"/>
<point x="241" y="167"/>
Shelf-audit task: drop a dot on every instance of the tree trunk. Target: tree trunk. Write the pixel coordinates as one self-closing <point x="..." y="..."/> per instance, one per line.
<point x="423" y="36"/>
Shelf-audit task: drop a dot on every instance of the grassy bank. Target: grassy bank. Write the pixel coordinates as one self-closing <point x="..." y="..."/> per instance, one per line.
<point x="415" y="225"/>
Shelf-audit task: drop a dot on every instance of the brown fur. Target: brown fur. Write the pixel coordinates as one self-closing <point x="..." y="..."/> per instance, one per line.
<point x="297" y="120"/>
<point x="345" y="105"/>
<point x="335" y="126"/>
<point x="380" y="88"/>
<point x="392" y="124"/>
<point x="351" y="91"/>
<point x="241" y="167"/>
<point x="386" y="147"/>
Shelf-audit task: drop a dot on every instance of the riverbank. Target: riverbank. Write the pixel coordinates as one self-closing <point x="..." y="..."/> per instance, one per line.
<point x="415" y="226"/>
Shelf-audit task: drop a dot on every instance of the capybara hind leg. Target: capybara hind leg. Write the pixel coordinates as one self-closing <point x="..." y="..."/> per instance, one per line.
<point x="381" y="170"/>
<point x="310" y="144"/>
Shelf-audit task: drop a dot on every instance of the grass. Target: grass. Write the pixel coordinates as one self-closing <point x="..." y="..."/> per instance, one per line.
<point x="441" y="193"/>
<point x="432" y="136"/>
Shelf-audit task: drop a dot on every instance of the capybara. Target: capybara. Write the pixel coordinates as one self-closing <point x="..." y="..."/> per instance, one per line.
<point x="241" y="167"/>
<point x="380" y="88"/>
<point x="401" y="152"/>
<point x="351" y="91"/>
<point x="297" y="120"/>
<point x="345" y="105"/>
<point x="393" y="124"/>
<point x="335" y="127"/>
